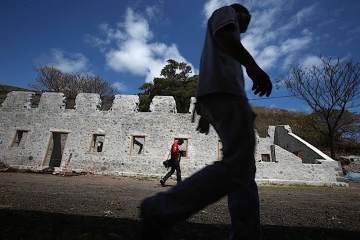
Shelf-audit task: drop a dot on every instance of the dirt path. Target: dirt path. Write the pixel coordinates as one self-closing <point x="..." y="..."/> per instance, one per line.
<point x="42" y="206"/>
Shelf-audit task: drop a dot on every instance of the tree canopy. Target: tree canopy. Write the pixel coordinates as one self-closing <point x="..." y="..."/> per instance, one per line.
<point x="51" y="79"/>
<point x="330" y="89"/>
<point x="175" y="81"/>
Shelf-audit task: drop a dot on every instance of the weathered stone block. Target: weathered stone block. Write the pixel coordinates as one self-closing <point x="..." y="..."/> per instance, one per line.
<point x="52" y="101"/>
<point x="18" y="100"/>
<point x="165" y="104"/>
<point x="125" y="103"/>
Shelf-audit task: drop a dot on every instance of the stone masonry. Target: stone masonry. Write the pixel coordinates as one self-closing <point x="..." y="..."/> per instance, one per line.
<point x="123" y="141"/>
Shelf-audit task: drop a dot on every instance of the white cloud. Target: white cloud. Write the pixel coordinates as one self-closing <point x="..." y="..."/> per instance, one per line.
<point x="152" y="11"/>
<point x="155" y="14"/>
<point x="136" y="26"/>
<point x="211" y="5"/>
<point x="326" y="22"/>
<point x="120" y="86"/>
<point x="310" y="60"/>
<point x="305" y="13"/>
<point x="344" y="27"/>
<point x="306" y="32"/>
<point x="347" y="57"/>
<point x="268" y="56"/>
<point x="353" y="34"/>
<point x="295" y="44"/>
<point x="134" y="51"/>
<point x="66" y="62"/>
<point x="276" y="35"/>
<point x="313" y="60"/>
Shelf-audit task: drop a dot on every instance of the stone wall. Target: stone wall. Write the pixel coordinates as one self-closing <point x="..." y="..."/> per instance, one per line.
<point x="132" y="142"/>
<point x="284" y="138"/>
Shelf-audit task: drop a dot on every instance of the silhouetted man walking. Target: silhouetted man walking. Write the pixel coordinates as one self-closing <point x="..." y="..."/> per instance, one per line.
<point x="222" y="102"/>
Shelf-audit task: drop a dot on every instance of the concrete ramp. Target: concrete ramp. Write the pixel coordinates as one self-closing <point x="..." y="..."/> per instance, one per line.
<point x="323" y="155"/>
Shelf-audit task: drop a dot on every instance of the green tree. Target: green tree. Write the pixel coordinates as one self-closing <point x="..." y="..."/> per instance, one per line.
<point x="174" y="81"/>
<point x="329" y="89"/>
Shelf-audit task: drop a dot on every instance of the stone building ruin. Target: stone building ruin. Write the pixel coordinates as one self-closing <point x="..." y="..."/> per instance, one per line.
<point x="123" y="141"/>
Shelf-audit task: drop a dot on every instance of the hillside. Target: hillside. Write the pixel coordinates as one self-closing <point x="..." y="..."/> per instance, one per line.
<point x="4" y="89"/>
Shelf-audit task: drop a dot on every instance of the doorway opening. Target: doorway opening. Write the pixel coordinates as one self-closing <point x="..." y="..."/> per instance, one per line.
<point x="55" y="149"/>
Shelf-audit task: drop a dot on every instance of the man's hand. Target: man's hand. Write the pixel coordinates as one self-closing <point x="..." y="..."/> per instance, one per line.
<point x="203" y="126"/>
<point x="261" y="81"/>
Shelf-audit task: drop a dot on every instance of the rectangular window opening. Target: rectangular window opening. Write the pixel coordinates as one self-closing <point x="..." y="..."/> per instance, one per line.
<point x="97" y="143"/>
<point x="20" y="138"/>
<point x="265" y="158"/>
<point x="55" y="149"/>
<point x="298" y="154"/>
<point x="183" y="148"/>
<point x="137" y="144"/>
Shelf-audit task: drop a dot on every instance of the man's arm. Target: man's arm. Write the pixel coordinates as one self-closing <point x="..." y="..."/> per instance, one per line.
<point x="229" y="44"/>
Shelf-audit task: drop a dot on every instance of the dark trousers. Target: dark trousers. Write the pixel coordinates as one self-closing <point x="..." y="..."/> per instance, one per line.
<point x="234" y="176"/>
<point x="175" y="166"/>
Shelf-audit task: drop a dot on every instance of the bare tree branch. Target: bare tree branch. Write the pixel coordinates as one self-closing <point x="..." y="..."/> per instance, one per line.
<point x="53" y="80"/>
<point x="329" y="89"/>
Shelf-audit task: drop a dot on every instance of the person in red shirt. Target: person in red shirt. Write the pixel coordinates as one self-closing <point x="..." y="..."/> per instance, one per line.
<point x="174" y="162"/>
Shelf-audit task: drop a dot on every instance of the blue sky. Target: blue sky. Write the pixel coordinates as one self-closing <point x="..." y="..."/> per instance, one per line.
<point x="128" y="42"/>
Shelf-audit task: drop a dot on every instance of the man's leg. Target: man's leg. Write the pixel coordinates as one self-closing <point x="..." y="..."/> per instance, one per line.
<point x="178" y="171"/>
<point x="171" y="172"/>
<point x="232" y="119"/>
<point x="245" y="213"/>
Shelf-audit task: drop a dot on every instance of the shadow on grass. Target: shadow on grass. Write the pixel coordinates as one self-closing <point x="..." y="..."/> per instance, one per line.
<point x="16" y="224"/>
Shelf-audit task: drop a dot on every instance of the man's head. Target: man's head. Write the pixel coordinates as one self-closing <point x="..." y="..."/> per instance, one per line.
<point x="180" y="141"/>
<point x="243" y="15"/>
